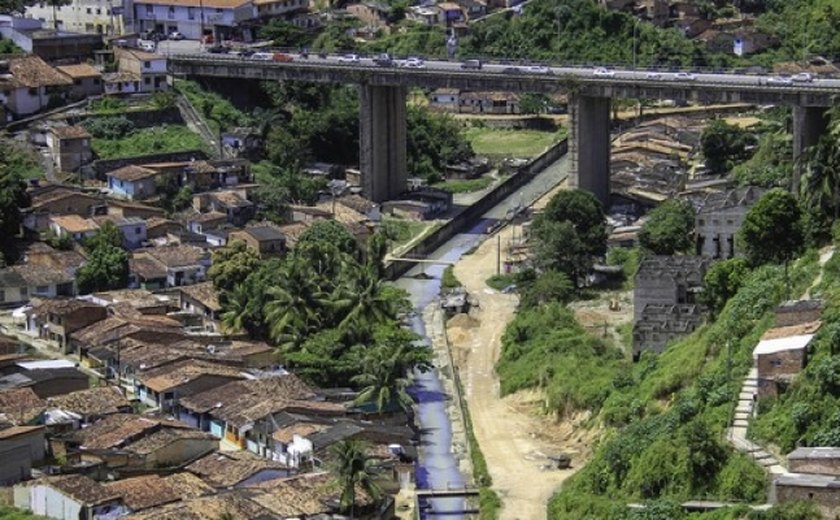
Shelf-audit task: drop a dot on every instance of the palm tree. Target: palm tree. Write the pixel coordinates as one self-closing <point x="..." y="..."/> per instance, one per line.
<point x="384" y="381"/>
<point x="365" y="301"/>
<point x="296" y="305"/>
<point x="265" y="119"/>
<point x="352" y="469"/>
<point x="822" y="173"/>
<point x="235" y="315"/>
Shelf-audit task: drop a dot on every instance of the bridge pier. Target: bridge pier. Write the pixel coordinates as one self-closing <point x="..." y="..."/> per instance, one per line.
<point x="589" y="145"/>
<point x="382" y="141"/>
<point x="809" y="124"/>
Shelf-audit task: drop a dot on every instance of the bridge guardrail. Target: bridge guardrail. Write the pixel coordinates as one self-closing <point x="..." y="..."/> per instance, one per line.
<point x="228" y="59"/>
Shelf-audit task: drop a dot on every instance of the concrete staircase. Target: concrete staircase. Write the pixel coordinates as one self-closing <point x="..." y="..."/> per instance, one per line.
<point x="737" y="434"/>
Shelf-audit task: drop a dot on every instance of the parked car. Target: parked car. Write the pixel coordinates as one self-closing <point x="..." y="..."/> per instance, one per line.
<point x="349" y="58"/>
<point x="471" y="65"/>
<point x="653" y="75"/>
<point x="779" y="80"/>
<point x="803" y="77"/>
<point x="147" y="45"/>
<point x="512" y="70"/>
<point x="262" y="56"/>
<point x="282" y="57"/>
<point x="384" y="60"/>
<point x="175" y="35"/>
<point x="601" y="72"/>
<point x="246" y="53"/>
<point x="218" y="49"/>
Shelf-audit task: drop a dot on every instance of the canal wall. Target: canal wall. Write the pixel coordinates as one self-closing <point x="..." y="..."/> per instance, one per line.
<point x="473" y="213"/>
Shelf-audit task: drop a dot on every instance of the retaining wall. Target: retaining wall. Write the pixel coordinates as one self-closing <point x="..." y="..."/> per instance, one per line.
<point x="473" y="213"/>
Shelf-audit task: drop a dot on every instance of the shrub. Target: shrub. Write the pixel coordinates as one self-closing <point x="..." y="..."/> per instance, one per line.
<point x="115" y="127"/>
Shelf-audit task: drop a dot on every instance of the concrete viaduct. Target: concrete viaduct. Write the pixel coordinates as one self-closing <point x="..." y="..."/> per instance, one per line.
<point x="383" y="91"/>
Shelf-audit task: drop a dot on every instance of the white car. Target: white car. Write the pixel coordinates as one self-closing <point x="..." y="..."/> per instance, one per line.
<point x="146" y="45"/>
<point x="803" y="77"/>
<point x="175" y="35"/>
<point x="653" y="75"/>
<point x="414" y="63"/>
<point x="349" y="58"/>
<point x="601" y="72"/>
<point x="262" y="56"/>
<point x="684" y="76"/>
<point x="538" y="69"/>
<point x="779" y="80"/>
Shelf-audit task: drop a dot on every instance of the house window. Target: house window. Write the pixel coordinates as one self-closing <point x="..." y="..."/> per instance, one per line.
<point x="149" y="9"/>
<point x="42" y="289"/>
<point x="172" y="12"/>
<point x="146" y="81"/>
<point x="24" y="292"/>
<point x="137" y="230"/>
<point x="218" y="10"/>
<point x="88" y="10"/>
<point x="98" y="11"/>
<point x="96" y="82"/>
<point x="33" y="91"/>
<point x="191" y="13"/>
<point x="147" y="64"/>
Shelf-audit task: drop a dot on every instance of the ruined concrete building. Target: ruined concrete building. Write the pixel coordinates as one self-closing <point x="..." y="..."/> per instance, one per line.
<point x="719" y="217"/>
<point x="665" y="300"/>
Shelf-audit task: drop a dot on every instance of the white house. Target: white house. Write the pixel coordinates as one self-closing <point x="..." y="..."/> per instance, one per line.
<point x="85" y="16"/>
<point x="148" y="66"/>
<point x="69" y="497"/>
<point x="74" y="226"/>
<point x="29" y="85"/>
<point x="217" y="18"/>
<point x="20" y="282"/>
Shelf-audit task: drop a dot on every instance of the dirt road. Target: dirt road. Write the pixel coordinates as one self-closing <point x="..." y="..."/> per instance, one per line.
<point x="512" y="435"/>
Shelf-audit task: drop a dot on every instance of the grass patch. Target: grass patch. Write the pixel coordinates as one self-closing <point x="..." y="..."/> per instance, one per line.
<point x="161" y="139"/>
<point x="218" y="112"/>
<point x="21" y="158"/>
<point x="501" y="142"/>
<point x="401" y="232"/>
<point x="500" y="281"/>
<point x="449" y="281"/>
<point x="13" y="513"/>
<point x="465" y="185"/>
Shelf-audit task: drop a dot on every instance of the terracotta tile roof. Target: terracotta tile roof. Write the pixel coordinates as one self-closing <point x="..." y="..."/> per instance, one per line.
<point x="82" y="70"/>
<point x="68" y="261"/>
<point x="148" y="355"/>
<point x="293" y="232"/>
<point x="119" y="430"/>
<point x="204" y="293"/>
<point x="248" y="392"/>
<point x="14" y="431"/>
<point x="231" y="199"/>
<point x="97" y="401"/>
<point x="70" y="132"/>
<point x="792" y="330"/>
<point x="132" y="173"/>
<point x="120" y="77"/>
<point x="166" y="436"/>
<point x="209" y="217"/>
<point x="225" y="505"/>
<point x="226" y="469"/>
<point x="37" y="275"/>
<point x="81" y="488"/>
<point x="146" y="268"/>
<point x="305" y="495"/>
<point x="61" y="306"/>
<point x="175" y="256"/>
<point x="116" y="327"/>
<point x="31" y="71"/>
<point x="21" y="405"/>
<point x="74" y="223"/>
<point x="303" y="429"/>
<point x="176" y="374"/>
<point x="153" y="222"/>
<point x="188" y="485"/>
<point x="40" y="199"/>
<point x="141" y="493"/>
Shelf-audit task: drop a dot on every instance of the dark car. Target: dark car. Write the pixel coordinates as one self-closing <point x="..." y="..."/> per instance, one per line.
<point x="246" y="53"/>
<point x="512" y="70"/>
<point x="384" y="60"/>
<point x="218" y="49"/>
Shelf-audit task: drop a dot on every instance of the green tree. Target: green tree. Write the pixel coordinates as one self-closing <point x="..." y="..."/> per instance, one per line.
<point x="352" y="469"/>
<point x="569" y="234"/>
<point x="722" y="281"/>
<point x="669" y="228"/>
<point x="365" y="302"/>
<point x="108" y="234"/>
<point x="13" y="198"/>
<point x="330" y="232"/>
<point x="772" y="229"/>
<point x="105" y="269"/>
<point x="550" y="286"/>
<point x="232" y="264"/>
<point x="296" y="304"/>
<point x="284" y="34"/>
<point x="725" y="145"/>
<point x="821" y="184"/>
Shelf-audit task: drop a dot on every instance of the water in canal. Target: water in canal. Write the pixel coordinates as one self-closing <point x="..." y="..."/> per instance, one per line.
<point x="437" y="467"/>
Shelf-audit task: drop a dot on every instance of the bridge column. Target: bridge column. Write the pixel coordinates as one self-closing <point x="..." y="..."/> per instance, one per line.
<point x="589" y="145"/>
<point x="382" y="141"/>
<point x="809" y="123"/>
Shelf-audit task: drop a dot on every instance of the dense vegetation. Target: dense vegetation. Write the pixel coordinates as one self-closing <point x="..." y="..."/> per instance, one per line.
<point x="669" y="228"/>
<point x="15" y="162"/>
<point x="328" y="310"/>
<point x="160" y="139"/>
<point x="106" y="266"/>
